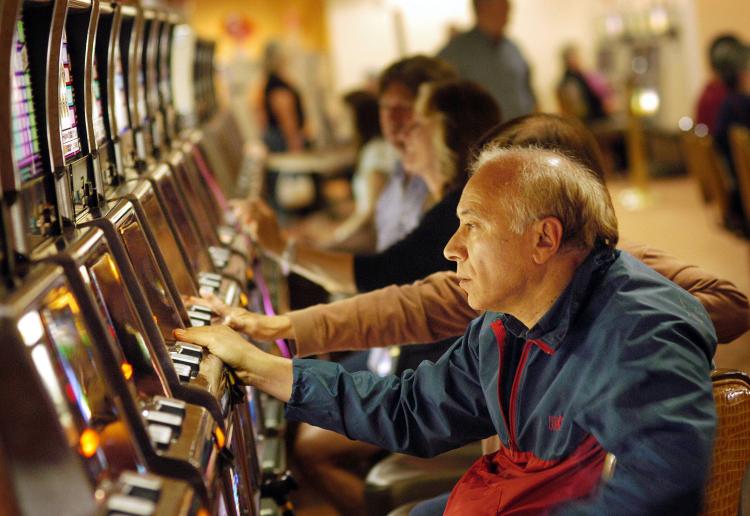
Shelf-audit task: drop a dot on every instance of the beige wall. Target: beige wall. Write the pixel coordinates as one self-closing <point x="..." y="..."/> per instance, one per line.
<point x="299" y="20"/>
<point x="717" y="16"/>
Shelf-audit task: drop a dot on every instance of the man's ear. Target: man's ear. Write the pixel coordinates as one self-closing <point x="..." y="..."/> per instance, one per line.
<point x="548" y="235"/>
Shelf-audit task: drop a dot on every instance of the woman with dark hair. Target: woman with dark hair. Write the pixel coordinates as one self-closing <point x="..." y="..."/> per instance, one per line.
<point x="377" y="159"/>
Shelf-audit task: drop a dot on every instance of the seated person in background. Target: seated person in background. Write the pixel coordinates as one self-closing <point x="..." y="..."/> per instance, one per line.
<point x="282" y="109"/>
<point x="401" y="204"/>
<point x="734" y="110"/>
<point x="377" y="160"/>
<point x="581" y="94"/>
<point x="582" y="350"/>
<point x="450" y="117"/>
<point x="714" y="91"/>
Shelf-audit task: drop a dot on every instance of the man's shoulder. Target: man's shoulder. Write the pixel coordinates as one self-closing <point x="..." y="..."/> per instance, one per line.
<point x="460" y="43"/>
<point x="632" y="295"/>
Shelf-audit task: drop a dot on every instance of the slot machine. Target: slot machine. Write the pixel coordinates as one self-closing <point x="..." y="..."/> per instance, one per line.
<point x="119" y="160"/>
<point x="177" y="442"/>
<point x="68" y="449"/>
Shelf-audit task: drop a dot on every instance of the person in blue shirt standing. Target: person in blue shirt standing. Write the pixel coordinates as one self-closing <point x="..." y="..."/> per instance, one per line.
<point x="581" y="351"/>
<point x="488" y="57"/>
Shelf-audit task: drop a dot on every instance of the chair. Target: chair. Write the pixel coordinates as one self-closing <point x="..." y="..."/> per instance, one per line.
<point x="739" y="140"/>
<point x="401" y="479"/>
<point x="704" y="164"/>
<point x="731" y="455"/>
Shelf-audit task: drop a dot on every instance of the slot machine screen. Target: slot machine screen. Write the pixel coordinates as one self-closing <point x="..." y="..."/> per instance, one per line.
<point x="100" y="132"/>
<point x="165" y="44"/>
<point x="117" y="310"/>
<point x="121" y="99"/>
<point x="205" y="226"/>
<point x="68" y="118"/>
<point x="200" y="259"/>
<point x="168" y="244"/>
<point x="166" y="314"/>
<point x="25" y="150"/>
<point x="61" y="350"/>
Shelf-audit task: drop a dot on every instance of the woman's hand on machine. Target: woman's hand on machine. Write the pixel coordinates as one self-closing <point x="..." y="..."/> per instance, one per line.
<point x="256" y="326"/>
<point x="260" y="221"/>
<point x="254" y="367"/>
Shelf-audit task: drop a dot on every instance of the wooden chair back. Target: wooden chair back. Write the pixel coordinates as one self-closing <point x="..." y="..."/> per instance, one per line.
<point x="731" y="455"/>
<point x="739" y="140"/>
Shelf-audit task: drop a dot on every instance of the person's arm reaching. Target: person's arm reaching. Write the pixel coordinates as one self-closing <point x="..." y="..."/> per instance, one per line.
<point x="267" y="372"/>
<point x="426" y="311"/>
<point x="725" y="304"/>
<point x="331" y="270"/>
<point x="414" y="413"/>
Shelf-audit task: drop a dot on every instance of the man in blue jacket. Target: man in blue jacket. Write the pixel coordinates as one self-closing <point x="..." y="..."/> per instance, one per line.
<point x="582" y="351"/>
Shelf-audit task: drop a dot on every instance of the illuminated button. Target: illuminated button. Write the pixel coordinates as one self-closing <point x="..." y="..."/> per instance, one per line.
<point x="211" y="276"/>
<point x="201" y="308"/>
<point x="189" y="349"/>
<point x="160" y="435"/>
<point x="201" y="316"/>
<point x="183" y="372"/>
<point x="89" y="442"/>
<point x="185" y="359"/>
<point x="163" y="418"/>
<point x="170" y="405"/>
<point x="125" y="504"/>
<point x="141" y="485"/>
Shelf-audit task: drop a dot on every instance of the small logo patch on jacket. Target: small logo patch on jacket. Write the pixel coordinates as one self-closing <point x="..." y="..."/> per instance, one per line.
<point x="554" y="423"/>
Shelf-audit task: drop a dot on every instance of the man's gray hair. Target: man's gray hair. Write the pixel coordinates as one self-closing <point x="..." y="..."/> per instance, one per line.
<point x="550" y="184"/>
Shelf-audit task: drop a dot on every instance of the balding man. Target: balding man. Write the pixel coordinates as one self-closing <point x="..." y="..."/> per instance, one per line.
<point x="582" y="351"/>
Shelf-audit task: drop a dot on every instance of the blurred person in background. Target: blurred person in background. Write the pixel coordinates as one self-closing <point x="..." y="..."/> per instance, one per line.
<point x="734" y="110"/>
<point x="715" y="90"/>
<point x="281" y="110"/>
<point x="488" y="57"/>
<point x="375" y="163"/>
<point x="581" y="94"/>
<point x="402" y="201"/>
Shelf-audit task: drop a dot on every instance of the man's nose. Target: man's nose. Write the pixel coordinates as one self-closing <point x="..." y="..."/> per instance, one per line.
<point x="454" y="250"/>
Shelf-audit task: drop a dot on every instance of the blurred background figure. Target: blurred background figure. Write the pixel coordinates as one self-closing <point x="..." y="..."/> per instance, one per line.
<point x="582" y="94"/>
<point x="715" y="90"/>
<point x="375" y="163"/>
<point x="282" y="109"/>
<point x="734" y="110"/>
<point x="486" y="56"/>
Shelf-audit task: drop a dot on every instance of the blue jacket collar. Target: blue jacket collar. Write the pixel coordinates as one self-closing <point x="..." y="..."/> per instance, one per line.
<point x="554" y="325"/>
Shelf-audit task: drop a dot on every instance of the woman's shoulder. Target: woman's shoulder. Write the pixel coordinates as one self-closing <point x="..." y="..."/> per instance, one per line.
<point x="379" y="154"/>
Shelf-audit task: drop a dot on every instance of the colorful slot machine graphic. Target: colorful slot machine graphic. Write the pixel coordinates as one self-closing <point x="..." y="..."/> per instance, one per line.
<point x="121" y="102"/>
<point x="68" y="120"/>
<point x="100" y="134"/>
<point x="25" y="132"/>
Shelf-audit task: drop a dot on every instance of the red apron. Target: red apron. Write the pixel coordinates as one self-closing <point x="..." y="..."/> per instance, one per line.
<point x="517" y="483"/>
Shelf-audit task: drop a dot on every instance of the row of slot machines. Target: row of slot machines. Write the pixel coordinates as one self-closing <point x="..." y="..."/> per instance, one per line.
<point x="110" y="217"/>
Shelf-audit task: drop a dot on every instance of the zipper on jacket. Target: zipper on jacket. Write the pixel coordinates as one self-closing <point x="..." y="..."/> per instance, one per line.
<point x="498" y="328"/>
<point x="514" y="393"/>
